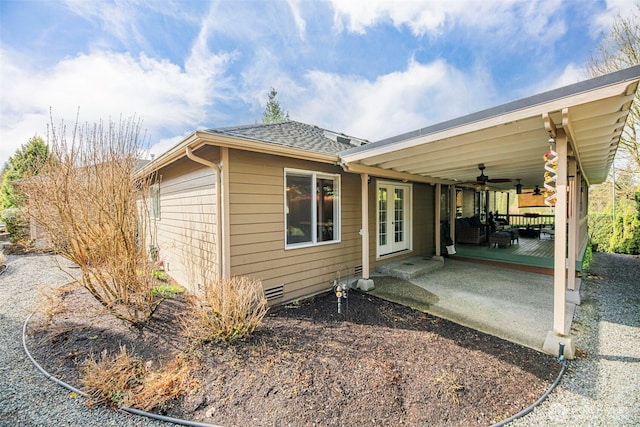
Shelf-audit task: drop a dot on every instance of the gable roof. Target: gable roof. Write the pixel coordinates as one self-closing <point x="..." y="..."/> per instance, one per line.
<point x="292" y="134"/>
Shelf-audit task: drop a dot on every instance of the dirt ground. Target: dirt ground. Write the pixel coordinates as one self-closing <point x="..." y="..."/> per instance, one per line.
<point x="377" y="364"/>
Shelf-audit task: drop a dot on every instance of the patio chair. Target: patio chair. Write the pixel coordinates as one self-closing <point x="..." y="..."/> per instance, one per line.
<point x="470" y="230"/>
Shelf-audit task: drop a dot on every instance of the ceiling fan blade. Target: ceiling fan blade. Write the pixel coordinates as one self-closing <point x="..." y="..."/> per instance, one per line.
<point x="499" y="180"/>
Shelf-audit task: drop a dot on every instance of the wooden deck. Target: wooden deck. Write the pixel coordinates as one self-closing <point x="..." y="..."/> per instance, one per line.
<point x="529" y="254"/>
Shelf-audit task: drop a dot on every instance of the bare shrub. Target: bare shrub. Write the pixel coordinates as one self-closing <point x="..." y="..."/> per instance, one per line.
<point x="127" y="380"/>
<point x="450" y="386"/>
<point x="229" y="309"/>
<point x="93" y="209"/>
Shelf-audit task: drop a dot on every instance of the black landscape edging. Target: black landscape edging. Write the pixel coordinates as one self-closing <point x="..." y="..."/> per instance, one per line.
<point x="198" y="424"/>
<point x="83" y="394"/>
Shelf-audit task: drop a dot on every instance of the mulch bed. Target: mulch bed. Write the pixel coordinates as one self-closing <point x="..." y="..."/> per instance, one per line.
<point x="379" y="364"/>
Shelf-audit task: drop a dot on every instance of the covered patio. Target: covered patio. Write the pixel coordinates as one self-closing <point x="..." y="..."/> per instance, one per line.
<point x="526" y="252"/>
<point x="511" y="304"/>
<point x="563" y="140"/>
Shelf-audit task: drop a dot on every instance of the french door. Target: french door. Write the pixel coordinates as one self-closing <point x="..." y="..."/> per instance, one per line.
<point x="393" y="218"/>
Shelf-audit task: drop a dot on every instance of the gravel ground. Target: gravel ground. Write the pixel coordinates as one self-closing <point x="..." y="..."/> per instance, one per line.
<point x="602" y="388"/>
<point x="27" y="398"/>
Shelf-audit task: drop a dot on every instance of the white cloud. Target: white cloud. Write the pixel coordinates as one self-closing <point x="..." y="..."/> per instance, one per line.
<point x="602" y="21"/>
<point x="106" y="84"/>
<point x="116" y="18"/>
<point x="433" y="17"/>
<point x="301" y="25"/>
<point x="394" y="103"/>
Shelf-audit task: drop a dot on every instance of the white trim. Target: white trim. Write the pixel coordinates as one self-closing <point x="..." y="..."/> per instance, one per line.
<point x="364" y="231"/>
<point x="154" y="201"/>
<point x="408" y="232"/>
<point x="224" y="209"/>
<point x="337" y="208"/>
<point x="377" y="148"/>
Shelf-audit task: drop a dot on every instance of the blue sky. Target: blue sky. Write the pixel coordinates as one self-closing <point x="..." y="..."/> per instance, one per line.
<point x="371" y="69"/>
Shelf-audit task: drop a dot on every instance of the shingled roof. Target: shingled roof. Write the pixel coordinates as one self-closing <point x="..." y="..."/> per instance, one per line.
<point x="293" y="134"/>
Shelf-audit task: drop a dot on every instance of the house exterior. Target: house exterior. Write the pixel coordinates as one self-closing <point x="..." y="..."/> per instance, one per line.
<point x="295" y="205"/>
<point x="271" y="201"/>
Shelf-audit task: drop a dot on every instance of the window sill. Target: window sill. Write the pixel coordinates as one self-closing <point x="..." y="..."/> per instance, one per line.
<point x="310" y="245"/>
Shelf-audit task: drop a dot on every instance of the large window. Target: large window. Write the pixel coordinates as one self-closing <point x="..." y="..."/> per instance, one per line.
<point x="312" y="206"/>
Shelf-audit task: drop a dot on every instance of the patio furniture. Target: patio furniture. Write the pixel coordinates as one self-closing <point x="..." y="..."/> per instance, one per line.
<point x="529" y="232"/>
<point x="549" y="230"/>
<point x="470" y="230"/>
<point x="500" y="238"/>
<point x="515" y="234"/>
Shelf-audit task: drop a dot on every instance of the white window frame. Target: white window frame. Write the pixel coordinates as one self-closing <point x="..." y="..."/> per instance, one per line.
<point x="154" y="201"/>
<point x="337" y="208"/>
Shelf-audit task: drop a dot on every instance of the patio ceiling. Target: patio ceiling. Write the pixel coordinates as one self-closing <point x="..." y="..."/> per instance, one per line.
<point x="510" y="139"/>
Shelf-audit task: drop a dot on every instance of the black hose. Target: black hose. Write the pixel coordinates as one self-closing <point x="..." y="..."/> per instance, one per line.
<point x="198" y="424"/>
<point x="82" y="393"/>
<point x="530" y="408"/>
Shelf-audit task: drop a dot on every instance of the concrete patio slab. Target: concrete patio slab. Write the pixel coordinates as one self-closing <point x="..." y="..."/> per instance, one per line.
<point x="511" y="304"/>
<point x="409" y="268"/>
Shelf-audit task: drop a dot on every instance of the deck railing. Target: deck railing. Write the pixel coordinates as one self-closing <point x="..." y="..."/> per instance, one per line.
<point x="528" y="220"/>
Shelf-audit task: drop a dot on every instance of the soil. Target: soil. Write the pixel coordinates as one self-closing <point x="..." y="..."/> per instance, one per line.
<point x="377" y="363"/>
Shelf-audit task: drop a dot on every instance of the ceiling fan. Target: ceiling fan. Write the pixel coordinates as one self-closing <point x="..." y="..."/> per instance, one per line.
<point x="483" y="179"/>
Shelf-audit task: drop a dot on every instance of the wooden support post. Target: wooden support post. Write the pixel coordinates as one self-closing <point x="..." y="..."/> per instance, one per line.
<point x="365" y="284"/>
<point x="572" y="251"/>
<point x="364" y="195"/>
<point x="560" y="260"/>
<point x="438" y="227"/>
<point x="452" y="213"/>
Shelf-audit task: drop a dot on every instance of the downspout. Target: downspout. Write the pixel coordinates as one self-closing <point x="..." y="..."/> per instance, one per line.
<point x="216" y="168"/>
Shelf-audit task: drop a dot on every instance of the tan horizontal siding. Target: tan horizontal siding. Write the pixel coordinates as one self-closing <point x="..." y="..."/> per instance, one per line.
<point x="256" y="201"/>
<point x="240" y="219"/>
<point x="256" y="228"/>
<point x="186" y="230"/>
<point x="253" y="209"/>
<point x="248" y="239"/>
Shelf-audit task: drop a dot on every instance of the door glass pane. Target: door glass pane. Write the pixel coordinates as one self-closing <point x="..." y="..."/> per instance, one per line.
<point x="399" y="215"/>
<point x="325" y="194"/>
<point x="382" y="216"/>
<point x="298" y="208"/>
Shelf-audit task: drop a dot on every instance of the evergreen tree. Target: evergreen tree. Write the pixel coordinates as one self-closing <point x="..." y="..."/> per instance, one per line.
<point x="273" y="113"/>
<point x="27" y="161"/>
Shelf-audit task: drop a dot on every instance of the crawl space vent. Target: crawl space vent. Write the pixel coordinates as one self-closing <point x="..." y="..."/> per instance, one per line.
<point x="274" y="293"/>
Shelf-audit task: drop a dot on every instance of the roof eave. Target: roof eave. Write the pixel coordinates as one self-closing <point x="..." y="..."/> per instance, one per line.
<point x="552" y="101"/>
<point x="199" y="139"/>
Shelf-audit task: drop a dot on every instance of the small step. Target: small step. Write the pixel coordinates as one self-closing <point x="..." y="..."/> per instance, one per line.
<point x="408" y="268"/>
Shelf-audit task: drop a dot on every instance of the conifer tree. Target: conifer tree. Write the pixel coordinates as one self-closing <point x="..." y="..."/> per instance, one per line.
<point x="273" y="113"/>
